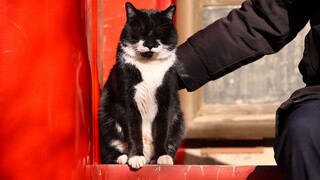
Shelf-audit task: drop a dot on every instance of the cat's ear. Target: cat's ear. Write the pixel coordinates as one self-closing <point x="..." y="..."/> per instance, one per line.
<point x="169" y="12"/>
<point x="131" y="10"/>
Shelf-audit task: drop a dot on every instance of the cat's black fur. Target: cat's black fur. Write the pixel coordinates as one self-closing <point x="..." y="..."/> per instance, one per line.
<point x="120" y="119"/>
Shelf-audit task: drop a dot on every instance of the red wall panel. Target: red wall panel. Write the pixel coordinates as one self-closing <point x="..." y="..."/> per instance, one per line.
<point x="45" y="91"/>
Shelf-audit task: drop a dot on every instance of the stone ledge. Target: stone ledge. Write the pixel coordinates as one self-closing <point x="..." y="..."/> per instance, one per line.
<point x="176" y="172"/>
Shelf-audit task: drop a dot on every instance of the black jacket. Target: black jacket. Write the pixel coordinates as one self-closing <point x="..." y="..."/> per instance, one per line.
<point x="258" y="28"/>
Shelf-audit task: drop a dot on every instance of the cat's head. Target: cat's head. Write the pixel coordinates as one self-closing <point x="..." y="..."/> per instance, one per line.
<point x="149" y="33"/>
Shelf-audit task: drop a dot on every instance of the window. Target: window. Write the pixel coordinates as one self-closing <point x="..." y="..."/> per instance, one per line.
<point x="242" y="104"/>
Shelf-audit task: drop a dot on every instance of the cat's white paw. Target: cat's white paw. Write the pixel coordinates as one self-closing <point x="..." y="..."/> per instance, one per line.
<point x="122" y="159"/>
<point x="165" y="160"/>
<point x="137" y="162"/>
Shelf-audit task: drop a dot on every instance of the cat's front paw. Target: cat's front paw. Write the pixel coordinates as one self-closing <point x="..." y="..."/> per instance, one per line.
<point x="137" y="162"/>
<point x="122" y="159"/>
<point x="165" y="160"/>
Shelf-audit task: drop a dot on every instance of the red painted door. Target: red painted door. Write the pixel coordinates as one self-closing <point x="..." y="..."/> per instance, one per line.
<point x="49" y="89"/>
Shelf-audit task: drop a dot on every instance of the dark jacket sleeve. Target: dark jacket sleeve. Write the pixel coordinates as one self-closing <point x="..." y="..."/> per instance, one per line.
<point x="257" y="28"/>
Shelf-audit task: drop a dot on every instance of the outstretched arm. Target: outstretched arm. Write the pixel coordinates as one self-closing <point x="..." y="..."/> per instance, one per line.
<point x="257" y="28"/>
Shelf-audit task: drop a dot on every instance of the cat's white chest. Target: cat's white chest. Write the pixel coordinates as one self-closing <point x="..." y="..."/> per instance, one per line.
<point x="152" y="74"/>
<point x="145" y="96"/>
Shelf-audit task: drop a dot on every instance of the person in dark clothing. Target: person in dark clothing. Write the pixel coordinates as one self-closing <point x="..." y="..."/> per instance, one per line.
<point x="258" y="28"/>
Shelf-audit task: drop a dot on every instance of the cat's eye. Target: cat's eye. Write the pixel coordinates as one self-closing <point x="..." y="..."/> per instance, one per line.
<point x="141" y="30"/>
<point x="162" y="30"/>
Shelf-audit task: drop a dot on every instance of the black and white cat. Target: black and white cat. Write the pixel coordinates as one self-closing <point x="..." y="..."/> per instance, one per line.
<point x="140" y="120"/>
